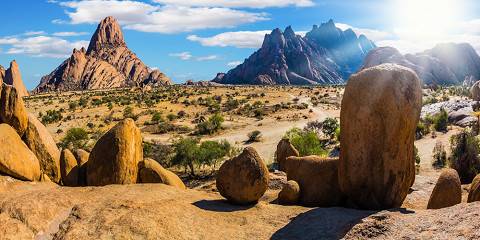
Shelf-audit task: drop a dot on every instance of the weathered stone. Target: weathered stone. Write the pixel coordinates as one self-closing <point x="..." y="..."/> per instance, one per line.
<point x="12" y="110"/>
<point x="114" y="158"/>
<point x="42" y="144"/>
<point x="379" y="114"/>
<point x="16" y="159"/>
<point x="69" y="168"/>
<point x="150" y="171"/>
<point x="284" y="149"/>
<point x="447" y="192"/>
<point x="14" y="77"/>
<point x="318" y="180"/>
<point x="82" y="157"/>
<point x="243" y="179"/>
<point x="290" y="193"/>
<point x="474" y="192"/>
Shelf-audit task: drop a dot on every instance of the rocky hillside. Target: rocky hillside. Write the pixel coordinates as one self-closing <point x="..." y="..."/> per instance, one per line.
<point x="445" y="64"/>
<point x="107" y="63"/>
<point x="326" y="55"/>
<point x="12" y="76"/>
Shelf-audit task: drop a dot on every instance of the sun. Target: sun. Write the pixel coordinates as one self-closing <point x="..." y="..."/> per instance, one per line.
<point x="426" y="20"/>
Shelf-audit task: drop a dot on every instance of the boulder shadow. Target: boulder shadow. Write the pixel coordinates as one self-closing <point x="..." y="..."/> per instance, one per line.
<point x="220" y="205"/>
<point x="322" y="223"/>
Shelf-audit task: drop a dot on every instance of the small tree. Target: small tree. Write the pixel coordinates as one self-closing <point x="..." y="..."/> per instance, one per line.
<point x="440" y="121"/>
<point x="254" y="136"/>
<point x="212" y="125"/>
<point x="75" y="138"/>
<point x="306" y="142"/>
<point x="439" y="155"/>
<point x="464" y="158"/>
<point x="186" y="150"/>
<point x="329" y="127"/>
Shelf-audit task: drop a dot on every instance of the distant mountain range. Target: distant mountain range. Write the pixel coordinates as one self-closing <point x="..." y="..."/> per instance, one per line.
<point x="445" y="64"/>
<point x="107" y="63"/>
<point x="326" y="55"/>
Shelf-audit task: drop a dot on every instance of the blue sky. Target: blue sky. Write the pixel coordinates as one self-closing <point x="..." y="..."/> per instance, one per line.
<point x="195" y="39"/>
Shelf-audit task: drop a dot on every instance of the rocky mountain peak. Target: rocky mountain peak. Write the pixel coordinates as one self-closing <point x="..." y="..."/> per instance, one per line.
<point x="289" y="32"/>
<point x="108" y="34"/>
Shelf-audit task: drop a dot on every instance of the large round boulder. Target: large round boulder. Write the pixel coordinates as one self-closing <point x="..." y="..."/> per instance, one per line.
<point x="318" y="180"/>
<point x="244" y="178"/>
<point x="150" y="171"/>
<point x="290" y="193"/>
<point x="114" y="158"/>
<point x="68" y="168"/>
<point x="475" y="91"/>
<point x="12" y="109"/>
<point x="16" y="159"/>
<point x="42" y="144"/>
<point x="284" y="149"/>
<point x="447" y="192"/>
<point x="379" y="114"/>
<point x="474" y="192"/>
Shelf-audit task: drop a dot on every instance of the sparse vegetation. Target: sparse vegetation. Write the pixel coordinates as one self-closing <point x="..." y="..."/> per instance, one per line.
<point x="306" y="142"/>
<point x="439" y="155"/>
<point x="464" y="158"/>
<point x="75" y="138"/>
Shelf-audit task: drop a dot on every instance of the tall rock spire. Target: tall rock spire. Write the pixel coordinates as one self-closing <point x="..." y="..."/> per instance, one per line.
<point x="14" y="77"/>
<point x="108" y="34"/>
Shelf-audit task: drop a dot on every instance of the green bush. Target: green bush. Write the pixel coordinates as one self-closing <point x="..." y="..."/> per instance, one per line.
<point x="75" y="138"/>
<point x="306" y="142"/>
<point x="212" y="125"/>
<point x="128" y="113"/>
<point x="191" y="155"/>
<point x="52" y="116"/>
<point x="464" y="158"/>
<point x="329" y="127"/>
<point x="254" y="136"/>
<point x="440" y="121"/>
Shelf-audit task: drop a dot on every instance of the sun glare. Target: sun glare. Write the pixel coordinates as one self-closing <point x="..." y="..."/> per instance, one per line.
<point x="426" y="20"/>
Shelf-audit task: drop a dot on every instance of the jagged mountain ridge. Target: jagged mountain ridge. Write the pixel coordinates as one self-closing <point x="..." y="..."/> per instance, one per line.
<point x="107" y="63"/>
<point x="445" y="64"/>
<point x="326" y="55"/>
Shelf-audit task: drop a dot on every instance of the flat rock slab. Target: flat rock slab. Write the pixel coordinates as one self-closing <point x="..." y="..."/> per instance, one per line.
<point x="157" y="211"/>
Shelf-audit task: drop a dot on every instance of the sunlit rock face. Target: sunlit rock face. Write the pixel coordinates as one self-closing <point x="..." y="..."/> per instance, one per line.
<point x="107" y="63"/>
<point x="326" y="55"/>
<point x="445" y="64"/>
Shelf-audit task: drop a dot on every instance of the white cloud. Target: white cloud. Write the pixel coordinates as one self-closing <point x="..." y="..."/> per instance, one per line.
<point x="145" y="17"/>
<point x="33" y="33"/>
<point x="241" y="39"/>
<point x="188" y="56"/>
<point x="69" y="34"/>
<point x="239" y="3"/>
<point x="41" y="46"/>
<point x="234" y="64"/>
<point x="182" y="55"/>
<point x="207" y="58"/>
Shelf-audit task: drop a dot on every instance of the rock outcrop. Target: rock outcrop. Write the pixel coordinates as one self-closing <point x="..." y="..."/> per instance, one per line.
<point x="318" y="180"/>
<point x="290" y="193"/>
<point x="326" y="55"/>
<point x="445" y="64"/>
<point x="12" y="109"/>
<point x="107" y="63"/>
<point x="447" y="191"/>
<point x="69" y="168"/>
<point x="475" y="91"/>
<point x="82" y="157"/>
<point x="16" y="159"/>
<point x="114" y="158"/>
<point x="284" y="150"/>
<point x="42" y="144"/>
<point x="244" y="178"/>
<point x="150" y="171"/>
<point x="474" y="191"/>
<point x="379" y="114"/>
<point x="14" y="77"/>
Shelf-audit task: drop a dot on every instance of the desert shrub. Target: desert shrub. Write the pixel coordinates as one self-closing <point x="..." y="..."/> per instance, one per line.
<point x="439" y="155"/>
<point x="210" y="126"/>
<point x="128" y="113"/>
<point x="157" y="117"/>
<point x="315" y="126"/>
<point x="75" y="138"/>
<point x="440" y="121"/>
<point x="52" y="116"/>
<point x="171" y="117"/>
<point x="423" y="128"/>
<point x="306" y="142"/>
<point x="464" y="158"/>
<point x="83" y="102"/>
<point x="329" y="126"/>
<point x="189" y="154"/>
<point x="161" y="153"/>
<point x="72" y="106"/>
<point x="254" y="136"/>
<point x="416" y="156"/>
